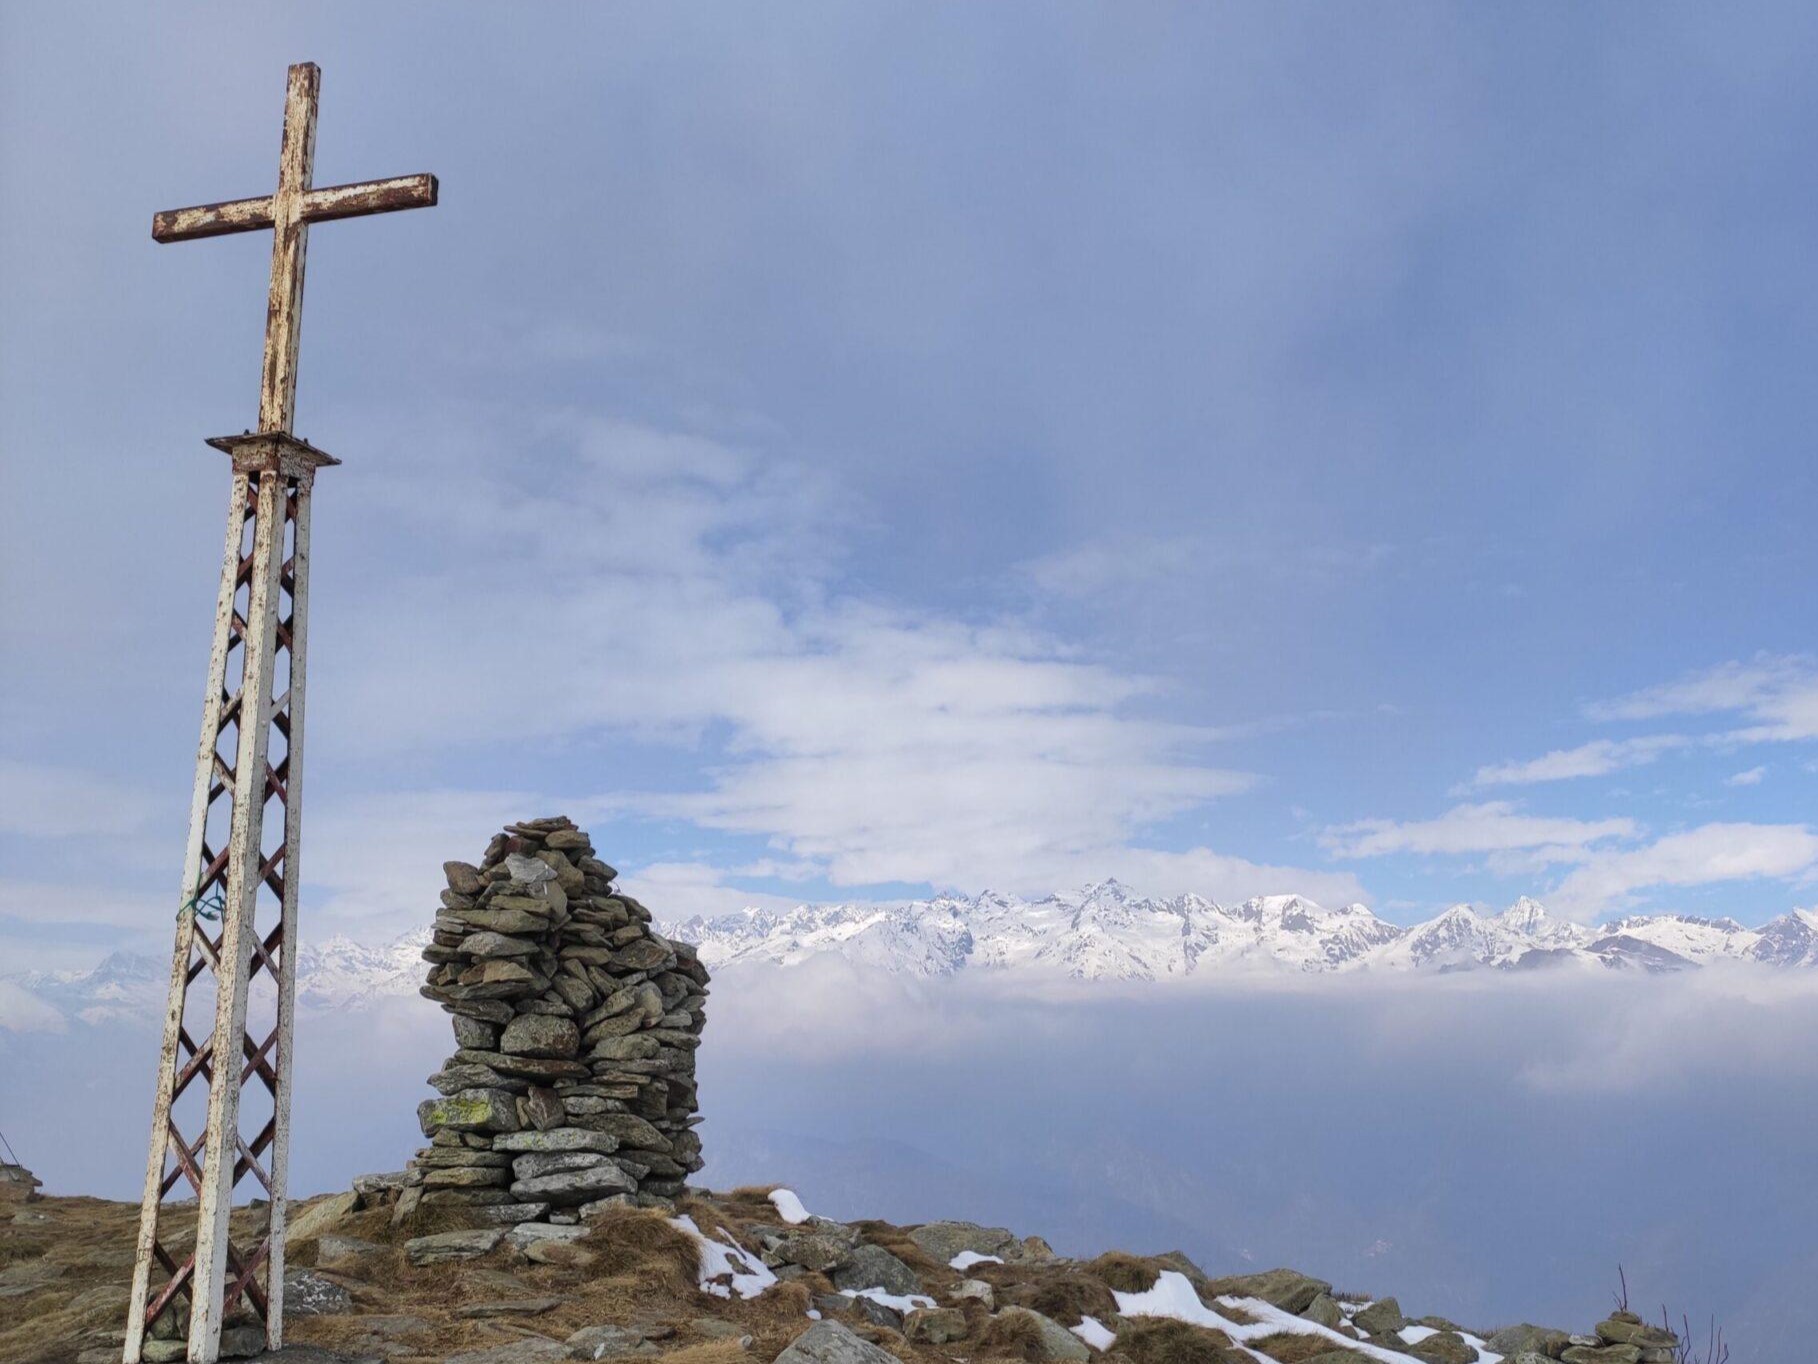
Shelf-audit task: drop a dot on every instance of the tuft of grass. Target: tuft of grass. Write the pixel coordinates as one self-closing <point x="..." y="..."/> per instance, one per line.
<point x="1013" y="1336"/>
<point x="1158" y="1340"/>
<point x="642" y="1244"/>
<point x="1056" y="1291"/>
<point x="1288" y="1347"/>
<point x="753" y="1193"/>
<point x="1124" y="1273"/>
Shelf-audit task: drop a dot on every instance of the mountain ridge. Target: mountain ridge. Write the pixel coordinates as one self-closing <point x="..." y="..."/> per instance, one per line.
<point x="1101" y="932"/>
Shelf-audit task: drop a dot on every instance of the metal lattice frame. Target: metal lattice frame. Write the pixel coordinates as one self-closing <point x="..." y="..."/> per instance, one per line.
<point x="256" y="675"/>
<point x="260" y="624"/>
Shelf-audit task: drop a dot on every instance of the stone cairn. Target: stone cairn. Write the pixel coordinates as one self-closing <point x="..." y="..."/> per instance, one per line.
<point x="572" y="1089"/>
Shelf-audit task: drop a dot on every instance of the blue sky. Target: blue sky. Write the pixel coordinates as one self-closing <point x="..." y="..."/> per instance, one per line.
<point x="849" y="450"/>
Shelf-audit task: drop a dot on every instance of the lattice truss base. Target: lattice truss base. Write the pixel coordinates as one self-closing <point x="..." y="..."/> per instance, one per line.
<point x="224" y="1071"/>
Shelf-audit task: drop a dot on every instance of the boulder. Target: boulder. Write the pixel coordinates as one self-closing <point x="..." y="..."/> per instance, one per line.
<point x="1625" y="1328"/>
<point x="1287" y="1289"/>
<point x="1382" y="1317"/>
<point x="1514" y="1340"/>
<point x="1056" y="1341"/>
<point x="942" y="1241"/>
<point x="975" y="1290"/>
<point x="313" y="1221"/>
<point x="934" y="1325"/>
<point x="828" y="1342"/>
<point x="1446" y="1347"/>
<point x="870" y="1266"/>
<point x="820" y="1246"/>
<point x="1324" y="1311"/>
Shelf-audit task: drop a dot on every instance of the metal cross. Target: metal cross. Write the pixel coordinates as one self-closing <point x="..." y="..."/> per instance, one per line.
<point x="288" y="213"/>
<point x="250" y="755"/>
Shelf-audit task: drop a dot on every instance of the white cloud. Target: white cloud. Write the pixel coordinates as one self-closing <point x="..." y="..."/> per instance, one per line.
<point x="1752" y="777"/>
<point x="1594" y="759"/>
<point x="1490" y="827"/>
<point x="22" y="1011"/>
<point x="1778" y="693"/>
<point x="680" y="590"/>
<point x="1702" y="856"/>
<point x="680" y="890"/>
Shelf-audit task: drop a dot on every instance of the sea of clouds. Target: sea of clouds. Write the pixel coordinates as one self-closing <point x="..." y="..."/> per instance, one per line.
<point x="1491" y="1148"/>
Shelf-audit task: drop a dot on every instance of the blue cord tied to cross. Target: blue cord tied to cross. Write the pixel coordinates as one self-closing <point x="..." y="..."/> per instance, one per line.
<point x="208" y="906"/>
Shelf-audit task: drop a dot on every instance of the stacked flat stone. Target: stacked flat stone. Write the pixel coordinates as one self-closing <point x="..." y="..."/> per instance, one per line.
<point x="572" y="1089"/>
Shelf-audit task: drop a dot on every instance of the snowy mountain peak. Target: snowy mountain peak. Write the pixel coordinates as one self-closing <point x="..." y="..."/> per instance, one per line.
<point x="1102" y="931"/>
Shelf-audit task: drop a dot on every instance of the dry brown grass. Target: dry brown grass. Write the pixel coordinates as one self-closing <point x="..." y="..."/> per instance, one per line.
<point x="1125" y="1273"/>
<point x="640" y="1270"/>
<point x="1157" y="1340"/>
<point x="708" y="1352"/>
<point x="1291" y="1348"/>
<point x="637" y="1243"/>
<point x="1012" y="1336"/>
<point x="1060" y="1291"/>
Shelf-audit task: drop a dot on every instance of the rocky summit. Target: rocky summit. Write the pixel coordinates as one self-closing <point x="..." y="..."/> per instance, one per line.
<point x="744" y="1277"/>
<point x="571" y="1089"/>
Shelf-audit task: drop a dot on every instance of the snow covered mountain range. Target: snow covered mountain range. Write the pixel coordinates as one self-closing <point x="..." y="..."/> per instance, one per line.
<point x="1108" y="932"/>
<point x="1103" y="932"/>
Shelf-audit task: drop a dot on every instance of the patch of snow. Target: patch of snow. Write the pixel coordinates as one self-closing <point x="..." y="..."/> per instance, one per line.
<point x="1173" y="1296"/>
<point x="967" y="1258"/>
<point x="788" y="1206"/>
<point x="1094" y="1332"/>
<point x="814" y="1314"/>
<point x="1413" y="1335"/>
<point x="898" y="1302"/>
<point x="743" y="1274"/>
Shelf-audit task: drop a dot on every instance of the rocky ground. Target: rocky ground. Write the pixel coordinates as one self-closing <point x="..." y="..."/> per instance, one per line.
<point x="731" y="1278"/>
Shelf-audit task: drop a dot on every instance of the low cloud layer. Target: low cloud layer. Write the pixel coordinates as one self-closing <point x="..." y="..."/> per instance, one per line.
<point x="1487" y="1147"/>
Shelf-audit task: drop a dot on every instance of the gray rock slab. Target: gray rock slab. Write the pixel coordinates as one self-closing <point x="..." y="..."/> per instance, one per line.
<point x="828" y="1342"/>
<point x="558" y="1139"/>
<point x="535" y="1164"/>
<point x="609" y="1342"/>
<point x="943" y="1240"/>
<point x="308" y="1294"/>
<point x="452" y="1245"/>
<point x="874" y="1267"/>
<point x="575" y="1186"/>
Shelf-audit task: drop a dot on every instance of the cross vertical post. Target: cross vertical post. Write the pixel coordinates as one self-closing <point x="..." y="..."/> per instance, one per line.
<point x="233" y="874"/>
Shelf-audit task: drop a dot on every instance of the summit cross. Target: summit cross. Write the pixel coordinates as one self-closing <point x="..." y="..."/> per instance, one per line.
<point x="288" y="213"/>
<point x="250" y="756"/>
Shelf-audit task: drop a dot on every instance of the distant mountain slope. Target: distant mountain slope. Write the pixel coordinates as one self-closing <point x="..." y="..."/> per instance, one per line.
<point x="1102" y="932"/>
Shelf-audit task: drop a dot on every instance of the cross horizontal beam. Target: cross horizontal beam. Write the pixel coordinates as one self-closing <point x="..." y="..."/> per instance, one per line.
<point x="319" y="206"/>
